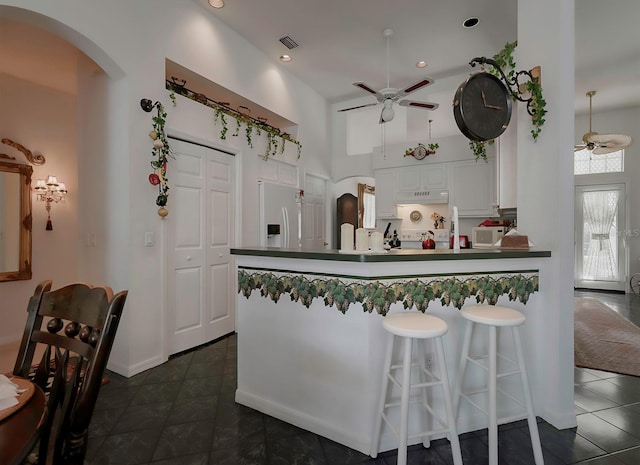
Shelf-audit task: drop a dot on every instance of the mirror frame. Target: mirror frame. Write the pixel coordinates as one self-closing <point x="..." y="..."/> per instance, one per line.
<point x="24" y="271"/>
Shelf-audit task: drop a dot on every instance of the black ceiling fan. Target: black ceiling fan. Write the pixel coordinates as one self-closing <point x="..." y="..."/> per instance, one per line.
<point x="389" y="95"/>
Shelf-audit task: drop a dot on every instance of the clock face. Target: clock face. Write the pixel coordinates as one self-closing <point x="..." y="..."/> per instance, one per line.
<point x="420" y="152"/>
<point x="482" y="107"/>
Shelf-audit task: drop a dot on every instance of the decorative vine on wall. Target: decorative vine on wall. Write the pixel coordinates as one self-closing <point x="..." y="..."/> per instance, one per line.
<point x="536" y="104"/>
<point x="276" y="139"/>
<point x="160" y="152"/>
<point x="378" y="296"/>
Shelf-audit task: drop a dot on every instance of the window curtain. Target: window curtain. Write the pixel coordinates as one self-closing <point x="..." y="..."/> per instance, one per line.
<point x="600" y="218"/>
<point x="366" y="206"/>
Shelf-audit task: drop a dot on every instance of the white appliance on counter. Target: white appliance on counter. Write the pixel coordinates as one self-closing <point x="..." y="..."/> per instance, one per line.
<point x="280" y="220"/>
<point x="486" y="236"/>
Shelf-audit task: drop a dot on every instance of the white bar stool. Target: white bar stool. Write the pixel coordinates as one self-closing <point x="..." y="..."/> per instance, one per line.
<point x="494" y="317"/>
<point x="415" y="326"/>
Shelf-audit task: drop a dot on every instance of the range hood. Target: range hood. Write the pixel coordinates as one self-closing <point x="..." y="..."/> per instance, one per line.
<point x="422" y="197"/>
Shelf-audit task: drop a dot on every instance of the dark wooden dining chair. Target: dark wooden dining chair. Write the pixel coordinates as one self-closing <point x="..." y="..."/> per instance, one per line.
<point x="74" y="328"/>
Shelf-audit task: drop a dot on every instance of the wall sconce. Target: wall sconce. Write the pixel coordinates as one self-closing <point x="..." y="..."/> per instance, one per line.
<point x="50" y="192"/>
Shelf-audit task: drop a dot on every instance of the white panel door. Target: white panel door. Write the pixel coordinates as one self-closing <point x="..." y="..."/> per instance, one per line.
<point x="220" y="314"/>
<point x="200" y="273"/>
<point x="315" y="210"/>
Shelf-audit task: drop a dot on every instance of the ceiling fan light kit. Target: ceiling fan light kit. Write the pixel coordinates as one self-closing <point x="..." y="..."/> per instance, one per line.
<point x="600" y="144"/>
<point x="389" y="95"/>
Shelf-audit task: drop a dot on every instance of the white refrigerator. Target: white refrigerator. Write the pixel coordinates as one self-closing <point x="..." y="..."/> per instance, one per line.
<point x="280" y="215"/>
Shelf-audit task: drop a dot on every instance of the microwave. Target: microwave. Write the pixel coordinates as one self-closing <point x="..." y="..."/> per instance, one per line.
<point x="486" y="236"/>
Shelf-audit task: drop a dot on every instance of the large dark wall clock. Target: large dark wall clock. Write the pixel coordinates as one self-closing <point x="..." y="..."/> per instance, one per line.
<point x="482" y="107"/>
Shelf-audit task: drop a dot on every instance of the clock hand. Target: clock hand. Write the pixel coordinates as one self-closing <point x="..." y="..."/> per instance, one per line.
<point x="493" y="107"/>
<point x="484" y="99"/>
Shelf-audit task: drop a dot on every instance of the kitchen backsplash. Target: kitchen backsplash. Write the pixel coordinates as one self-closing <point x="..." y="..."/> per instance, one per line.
<point x="411" y="222"/>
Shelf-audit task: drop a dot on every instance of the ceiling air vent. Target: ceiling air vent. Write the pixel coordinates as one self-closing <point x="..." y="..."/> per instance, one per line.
<point x="288" y="42"/>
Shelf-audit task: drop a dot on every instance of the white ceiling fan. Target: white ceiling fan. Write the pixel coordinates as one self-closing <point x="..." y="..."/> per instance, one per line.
<point x="600" y="144"/>
<point x="389" y="95"/>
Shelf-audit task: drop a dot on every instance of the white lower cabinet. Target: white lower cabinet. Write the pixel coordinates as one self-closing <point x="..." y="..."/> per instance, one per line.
<point x="472" y="187"/>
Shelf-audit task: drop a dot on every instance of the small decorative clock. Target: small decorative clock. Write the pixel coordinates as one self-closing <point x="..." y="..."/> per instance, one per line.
<point x="482" y="107"/>
<point x="420" y="152"/>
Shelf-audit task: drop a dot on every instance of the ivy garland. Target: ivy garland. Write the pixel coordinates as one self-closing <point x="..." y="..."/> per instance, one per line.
<point x="276" y="138"/>
<point x="160" y="152"/>
<point x="479" y="148"/>
<point x="379" y="296"/>
<point x="504" y="58"/>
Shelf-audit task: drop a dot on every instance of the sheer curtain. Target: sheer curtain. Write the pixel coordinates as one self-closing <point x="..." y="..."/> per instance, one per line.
<point x="600" y="224"/>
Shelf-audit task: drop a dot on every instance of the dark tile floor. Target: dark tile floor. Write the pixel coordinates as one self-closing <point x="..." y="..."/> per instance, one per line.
<point x="183" y="413"/>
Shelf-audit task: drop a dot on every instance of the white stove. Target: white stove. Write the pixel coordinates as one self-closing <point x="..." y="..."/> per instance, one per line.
<point x="412" y="238"/>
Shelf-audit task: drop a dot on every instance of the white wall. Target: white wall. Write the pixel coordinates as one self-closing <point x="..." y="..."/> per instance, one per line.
<point x="43" y="120"/>
<point x="545" y="185"/>
<point x="130" y="41"/>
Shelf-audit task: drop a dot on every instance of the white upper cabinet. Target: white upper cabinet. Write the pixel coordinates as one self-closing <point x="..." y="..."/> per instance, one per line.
<point x="434" y="176"/>
<point x="386" y="193"/>
<point x="422" y="178"/>
<point x="472" y="187"/>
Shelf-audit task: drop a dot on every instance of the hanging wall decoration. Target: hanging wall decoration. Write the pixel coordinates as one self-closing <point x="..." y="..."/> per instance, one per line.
<point x="482" y="104"/>
<point x="160" y="152"/>
<point x="276" y="138"/>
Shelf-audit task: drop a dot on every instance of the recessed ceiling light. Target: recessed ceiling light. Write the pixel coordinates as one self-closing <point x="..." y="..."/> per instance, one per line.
<point x="470" y="22"/>
<point x="285" y="58"/>
<point x="216" y="3"/>
<point x="421" y="64"/>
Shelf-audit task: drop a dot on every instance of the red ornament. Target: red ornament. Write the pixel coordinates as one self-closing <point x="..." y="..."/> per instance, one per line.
<point x="154" y="179"/>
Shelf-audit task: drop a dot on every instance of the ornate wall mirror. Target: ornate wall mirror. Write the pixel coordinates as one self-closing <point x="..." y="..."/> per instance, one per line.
<point x="15" y="215"/>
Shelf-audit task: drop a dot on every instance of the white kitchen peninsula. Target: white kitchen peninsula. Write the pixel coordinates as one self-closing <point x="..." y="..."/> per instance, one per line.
<point x="311" y="342"/>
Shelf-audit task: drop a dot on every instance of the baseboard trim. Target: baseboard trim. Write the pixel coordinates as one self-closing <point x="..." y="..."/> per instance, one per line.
<point x="304" y="421"/>
<point x="129" y="371"/>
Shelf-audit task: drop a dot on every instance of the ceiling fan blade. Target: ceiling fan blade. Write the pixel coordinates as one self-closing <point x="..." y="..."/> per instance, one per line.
<point x="414" y="87"/>
<point x="603" y="150"/>
<point x="577" y="148"/>
<point x="367" y="88"/>
<point x="415" y="104"/>
<point x="619" y="141"/>
<point x="359" y="106"/>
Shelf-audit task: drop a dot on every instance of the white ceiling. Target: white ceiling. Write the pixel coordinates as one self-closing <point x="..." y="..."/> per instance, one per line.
<point x="341" y="42"/>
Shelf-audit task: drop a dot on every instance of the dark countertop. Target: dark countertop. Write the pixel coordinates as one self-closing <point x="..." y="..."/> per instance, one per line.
<point x="393" y="255"/>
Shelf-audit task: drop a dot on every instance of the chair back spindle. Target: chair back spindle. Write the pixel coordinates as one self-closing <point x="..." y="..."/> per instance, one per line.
<point x="75" y="326"/>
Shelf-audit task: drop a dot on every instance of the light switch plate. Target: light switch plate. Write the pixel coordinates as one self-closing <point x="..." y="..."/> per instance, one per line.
<point x="149" y="239"/>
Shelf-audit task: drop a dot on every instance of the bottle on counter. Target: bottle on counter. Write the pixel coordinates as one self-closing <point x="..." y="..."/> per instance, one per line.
<point x="394" y="243"/>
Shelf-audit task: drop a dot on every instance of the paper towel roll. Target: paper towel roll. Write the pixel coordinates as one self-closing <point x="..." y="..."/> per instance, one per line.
<point x="456" y="230"/>
<point x="346" y="236"/>
<point x="376" y="241"/>
<point x="362" y="239"/>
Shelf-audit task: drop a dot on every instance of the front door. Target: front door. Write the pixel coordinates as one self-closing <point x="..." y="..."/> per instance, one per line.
<point x="600" y="240"/>
<point x="201" y="303"/>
